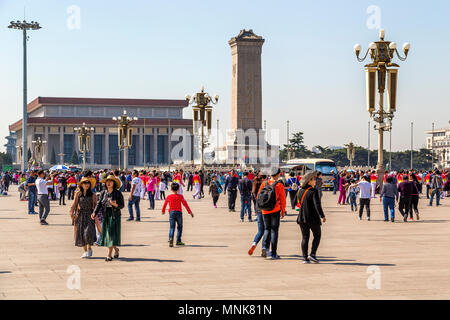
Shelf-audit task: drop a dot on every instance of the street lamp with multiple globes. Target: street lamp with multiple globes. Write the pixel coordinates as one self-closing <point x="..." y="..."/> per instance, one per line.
<point x="24" y="26"/>
<point x="381" y="53"/>
<point x="203" y="114"/>
<point x="125" y="135"/>
<point x="84" y="141"/>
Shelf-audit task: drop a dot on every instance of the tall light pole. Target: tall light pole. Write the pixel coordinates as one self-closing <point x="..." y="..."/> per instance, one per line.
<point x="390" y="145"/>
<point x="24" y="26"/>
<point x="412" y="142"/>
<point x="368" y="145"/>
<point x="125" y="135"/>
<point x="432" y="146"/>
<point x="203" y="114"/>
<point x="84" y="141"/>
<point x="381" y="53"/>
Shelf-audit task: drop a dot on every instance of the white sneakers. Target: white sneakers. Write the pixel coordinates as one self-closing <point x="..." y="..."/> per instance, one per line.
<point x="86" y="254"/>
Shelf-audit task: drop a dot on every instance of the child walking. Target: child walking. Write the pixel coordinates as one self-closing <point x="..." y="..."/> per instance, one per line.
<point x="353" y="192"/>
<point x="162" y="190"/>
<point x="215" y="190"/>
<point x="175" y="213"/>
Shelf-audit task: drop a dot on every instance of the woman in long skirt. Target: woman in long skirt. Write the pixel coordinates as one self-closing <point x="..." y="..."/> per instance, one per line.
<point x="111" y="202"/>
<point x="84" y="224"/>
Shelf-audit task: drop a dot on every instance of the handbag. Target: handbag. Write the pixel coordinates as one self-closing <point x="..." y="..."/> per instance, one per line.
<point x="219" y="190"/>
<point x="299" y="203"/>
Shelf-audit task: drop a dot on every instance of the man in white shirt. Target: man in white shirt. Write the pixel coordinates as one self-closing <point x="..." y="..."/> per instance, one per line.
<point x="42" y="196"/>
<point x="135" y="196"/>
<point x="365" y="194"/>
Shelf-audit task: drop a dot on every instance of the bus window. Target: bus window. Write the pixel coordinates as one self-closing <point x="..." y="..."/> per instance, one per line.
<point x="326" y="167"/>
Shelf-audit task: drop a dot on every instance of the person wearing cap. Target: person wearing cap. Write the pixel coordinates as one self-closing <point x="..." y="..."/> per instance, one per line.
<point x="310" y="216"/>
<point x="81" y="212"/>
<point x="111" y="202"/>
<point x="272" y="217"/>
<point x="31" y="187"/>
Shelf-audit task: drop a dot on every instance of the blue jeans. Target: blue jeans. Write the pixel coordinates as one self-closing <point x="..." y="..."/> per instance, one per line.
<point x="246" y="205"/>
<point x="352" y="196"/>
<point x="134" y="200"/>
<point x="260" y="220"/>
<point x="437" y="193"/>
<point x="388" y="203"/>
<point x="31" y="202"/>
<point x="175" y="217"/>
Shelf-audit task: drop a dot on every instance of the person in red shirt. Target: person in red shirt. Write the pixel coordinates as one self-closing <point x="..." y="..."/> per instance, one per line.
<point x="175" y="201"/>
<point x="272" y="217"/>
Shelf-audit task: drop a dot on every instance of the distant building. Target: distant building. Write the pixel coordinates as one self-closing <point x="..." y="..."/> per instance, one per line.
<point x="53" y="119"/>
<point x="11" y="145"/>
<point x="439" y="143"/>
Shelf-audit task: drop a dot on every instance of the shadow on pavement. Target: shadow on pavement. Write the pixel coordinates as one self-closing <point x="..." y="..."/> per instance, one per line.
<point x="124" y="259"/>
<point x="3" y="272"/>
<point x="202" y="246"/>
<point x="135" y="245"/>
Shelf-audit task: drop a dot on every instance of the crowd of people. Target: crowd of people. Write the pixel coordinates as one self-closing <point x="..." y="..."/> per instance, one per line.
<point x="403" y="187"/>
<point x="98" y="199"/>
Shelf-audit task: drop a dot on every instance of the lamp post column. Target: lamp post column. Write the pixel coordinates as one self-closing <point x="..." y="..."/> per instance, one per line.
<point x="25" y="114"/>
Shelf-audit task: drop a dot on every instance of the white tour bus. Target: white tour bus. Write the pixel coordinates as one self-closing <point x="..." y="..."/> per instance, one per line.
<point x="304" y="166"/>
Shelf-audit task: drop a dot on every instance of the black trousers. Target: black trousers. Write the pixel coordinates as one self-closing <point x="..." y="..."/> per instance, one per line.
<point x="293" y="196"/>
<point x="306" y="229"/>
<point x="215" y="198"/>
<point x="62" y="196"/>
<point x="271" y="226"/>
<point x="189" y="187"/>
<point x="364" y="203"/>
<point x="414" y="205"/>
<point x="404" y="205"/>
<point x="232" y="194"/>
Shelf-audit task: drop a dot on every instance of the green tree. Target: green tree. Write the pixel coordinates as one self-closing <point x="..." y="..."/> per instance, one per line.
<point x="74" y="158"/>
<point x="53" y="156"/>
<point x="296" y="146"/>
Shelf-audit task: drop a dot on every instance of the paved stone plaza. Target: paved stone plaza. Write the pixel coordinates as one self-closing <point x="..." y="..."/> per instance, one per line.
<point x="412" y="257"/>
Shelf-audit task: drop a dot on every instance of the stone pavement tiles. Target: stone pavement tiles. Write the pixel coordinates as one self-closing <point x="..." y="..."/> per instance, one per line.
<point x="359" y="259"/>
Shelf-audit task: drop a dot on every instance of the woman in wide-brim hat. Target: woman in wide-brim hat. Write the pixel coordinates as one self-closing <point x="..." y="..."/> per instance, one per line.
<point x="110" y="202"/>
<point x="81" y="211"/>
<point x="117" y="182"/>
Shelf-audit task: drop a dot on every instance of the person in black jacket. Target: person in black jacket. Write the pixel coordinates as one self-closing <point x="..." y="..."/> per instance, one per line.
<point x="110" y="202"/>
<point x="310" y="216"/>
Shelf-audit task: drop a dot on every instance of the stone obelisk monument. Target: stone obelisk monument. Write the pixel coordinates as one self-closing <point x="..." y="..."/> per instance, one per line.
<point x="246" y="136"/>
<point x="246" y="95"/>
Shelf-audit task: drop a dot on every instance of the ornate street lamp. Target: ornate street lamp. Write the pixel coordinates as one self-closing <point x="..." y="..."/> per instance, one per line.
<point x="381" y="53"/>
<point x="125" y="135"/>
<point x="202" y="114"/>
<point x="24" y="26"/>
<point x="350" y="153"/>
<point x="38" y="150"/>
<point x="84" y="141"/>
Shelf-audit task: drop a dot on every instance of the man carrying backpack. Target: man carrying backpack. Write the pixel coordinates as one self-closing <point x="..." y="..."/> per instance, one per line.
<point x="272" y="202"/>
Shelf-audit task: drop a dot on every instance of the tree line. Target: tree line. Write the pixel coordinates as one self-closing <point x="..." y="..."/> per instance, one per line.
<point x="400" y="159"/>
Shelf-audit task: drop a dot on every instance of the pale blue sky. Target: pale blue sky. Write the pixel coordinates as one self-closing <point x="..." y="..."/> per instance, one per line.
<point x="166" y="49"/>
